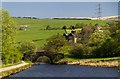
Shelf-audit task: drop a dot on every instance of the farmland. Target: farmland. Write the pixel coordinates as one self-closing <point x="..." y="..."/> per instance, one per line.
<point x="97" y="44"/>
<point x="36" y="28"/>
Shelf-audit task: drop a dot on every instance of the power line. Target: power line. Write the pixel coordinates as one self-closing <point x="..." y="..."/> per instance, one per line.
<point x="98" y="11"/>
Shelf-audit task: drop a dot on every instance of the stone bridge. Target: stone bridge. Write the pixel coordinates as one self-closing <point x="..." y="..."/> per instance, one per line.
<point x="53" y="57"/>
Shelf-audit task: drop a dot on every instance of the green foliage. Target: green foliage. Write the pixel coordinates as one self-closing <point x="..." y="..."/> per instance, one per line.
<point x="72" y="27"/>
<point x="105" y="43"/>
<point x="65" y="49"/>
<point x="53" y="47"/>
<point x="48" y="27"/>
<point x="115" y="35"/>
<point x="28" y="49"/>
<point x="77" y="52"/>
<point x="78" y="25"/>
<point x="97" y="42"/>
<point x="85" y="33"/>
<point x="97" y="39"/>
<point x="107" y="49"/>
<point x="64" y="27"/>
<point x="10" y="54"/>
<point x="55" y="43"/>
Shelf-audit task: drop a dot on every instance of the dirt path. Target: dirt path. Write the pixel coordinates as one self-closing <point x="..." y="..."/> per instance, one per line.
<point x="12" y="67"/>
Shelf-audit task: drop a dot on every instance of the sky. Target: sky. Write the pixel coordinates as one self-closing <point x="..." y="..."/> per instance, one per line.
<point x="60" y="9"/>
<point x="59" y="0"/>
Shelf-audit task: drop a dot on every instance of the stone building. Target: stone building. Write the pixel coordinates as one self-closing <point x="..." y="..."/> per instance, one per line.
<point x="71" y="36"/>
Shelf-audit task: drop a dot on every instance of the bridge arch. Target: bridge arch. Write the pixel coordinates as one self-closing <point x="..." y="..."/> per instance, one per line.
<point x="41" y="57"/>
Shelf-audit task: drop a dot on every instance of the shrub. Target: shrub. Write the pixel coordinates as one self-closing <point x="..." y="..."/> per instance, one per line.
<point x="48" y="27"/>
<point x="53" y="47"/>
<point x="28" y="49"/>
<point x="77" y="52"/>
<point x="108" y="49"/>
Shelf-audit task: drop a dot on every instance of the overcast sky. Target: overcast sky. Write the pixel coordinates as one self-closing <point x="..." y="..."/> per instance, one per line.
<point x="60" y="9"/>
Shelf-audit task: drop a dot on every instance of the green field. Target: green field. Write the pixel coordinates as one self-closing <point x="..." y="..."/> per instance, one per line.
<point x="42" y="23"/>
<point x="34" y="32"/>
<point x="38" y="36"/>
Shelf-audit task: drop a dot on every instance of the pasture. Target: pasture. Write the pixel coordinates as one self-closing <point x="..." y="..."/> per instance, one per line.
<point x="35" y="31"/>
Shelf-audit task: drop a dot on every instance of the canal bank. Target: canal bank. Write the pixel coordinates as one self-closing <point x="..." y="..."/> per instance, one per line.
<point x="7" y="71"/>
<point x="101" y="68"/>
<point x="96" y="63"/>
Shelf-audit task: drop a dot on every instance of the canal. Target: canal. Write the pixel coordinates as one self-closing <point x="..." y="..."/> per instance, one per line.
<point x="67" y="72"/>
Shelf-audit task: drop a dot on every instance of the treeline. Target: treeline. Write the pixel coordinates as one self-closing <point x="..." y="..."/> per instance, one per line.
<point x="76" y="26"/>
<point x="27" y="17"/>
<point x="79" y="25"/>
<point x="93" y="41"/>
<point x="97" y="41"/>
<point x="72" y="18"/>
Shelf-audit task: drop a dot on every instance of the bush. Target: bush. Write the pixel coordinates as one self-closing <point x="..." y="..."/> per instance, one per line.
<point x="108" y="49"/>
<point x="77" y="52"/>
<point x="48" y="27"/>
<point x="53" y="47"/>
<point x="28" y="49"/>
<point x="55" y="43"/>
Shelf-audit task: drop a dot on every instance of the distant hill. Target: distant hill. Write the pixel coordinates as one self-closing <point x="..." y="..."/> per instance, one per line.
<point x="108" y="18"/>
<point x="88" y="18"/>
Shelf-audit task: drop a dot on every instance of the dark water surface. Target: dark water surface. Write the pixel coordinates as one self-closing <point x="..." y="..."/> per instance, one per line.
<point x="47" y="70"/>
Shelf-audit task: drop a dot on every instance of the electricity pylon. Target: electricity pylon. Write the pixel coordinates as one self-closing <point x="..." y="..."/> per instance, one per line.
<point x="98" y="11"/>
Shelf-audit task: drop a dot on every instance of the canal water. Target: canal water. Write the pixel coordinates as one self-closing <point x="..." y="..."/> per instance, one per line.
<point x="74" y="71"/>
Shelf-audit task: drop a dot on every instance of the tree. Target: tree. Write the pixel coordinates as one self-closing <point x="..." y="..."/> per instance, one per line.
<point x="85" y="33"/>
<point x="78" y="25"/>
<point x="115" y="36"/>
<point x="96" y="40"/>
<point x="112" y="29"/>
<point x="53" y="47"/>
<point x="28" y="49"/>
<point x="72" y="27"/>
<point x="77" y="52"/>
<point x="107" y="49"/>
<point x="9" y="49"/>
<point x="64" y="27"/>
<point x="48" y="27"/>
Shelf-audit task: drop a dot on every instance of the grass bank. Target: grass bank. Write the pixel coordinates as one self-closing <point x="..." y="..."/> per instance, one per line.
<point x="97" y="62"/>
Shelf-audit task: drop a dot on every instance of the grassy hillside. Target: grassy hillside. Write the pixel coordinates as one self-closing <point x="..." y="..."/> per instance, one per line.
<point x="38" y="36"/>
<point x="34" y="32"/>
